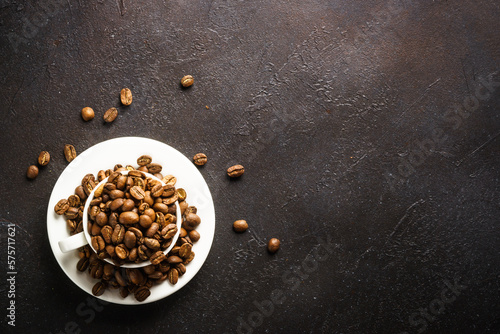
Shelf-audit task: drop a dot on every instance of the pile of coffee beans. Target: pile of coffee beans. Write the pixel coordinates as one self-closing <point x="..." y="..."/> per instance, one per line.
<point x="132" y="218"/>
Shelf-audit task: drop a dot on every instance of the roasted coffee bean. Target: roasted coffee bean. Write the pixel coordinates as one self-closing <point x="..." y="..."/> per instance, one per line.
<point x="98" y="243"/>
<point x="152" y="243"/>
<point x="82" y="264"/>
<point x="154" y="168"/>
<point x="144" y="160"/>
<point x="107" y="232"/>
<point x="128" y="218"/>
<point x="69" y="152"/>
<point x="169" y="231"/>
<point x="116" y="204"/>
<point x="114" y="194"/>
<point x="137" y="192"/>
<point x="43" y="158"/>
<point x="173" y="276"/>
<point x="110" y="249"/>
<point x="80" y="193"/>
<point x="194" y="235"/>
<point x="101" y="175"/>
<point x="142" y="293"/>
<point x="87" y="114"/>
<point x="74" y="200"/>
<point x="157" y="257"/>
<point x="71" y="224"/>
<point x="151" y="231"/>
<point x="151" y="213"/>
<point x="126" y="97"/>
<point x="128" y="205"/>
<point x="168" y="190"/>
<point x="163" y="267"/>
<point x="93" y="212"/>
<point x="273" y="245"/>
<point x="110" y="115"/>
<point x="185" y="250"/>
<point x="88" y="177"/>
<point x="121" y="181"/>
<point x="183" y="232"/>
<point x="187" y="81"/>
<point x="169" y="180"/>
<point x="118" y="234"/>
<point x="95" y="230"/>
<point x="173" y="259"/>
<point x="96" y="270"/>
<point x="141" y="252"/>
<point x="190" y="209"/>
<point x="88" y="187"/>
<point x="119" y="278"/>
<point x="175" y="250"/>
<point x="191" y="221"/>
<point x="183" y="205"/>
<point x="71" y="213"/>
<point x="101" y="219"/>
<point x="200" y="159"/>
<point x="123" y="292"/>
<point x="62" y="206"/>
<point x="189" y="258"/>
<point x="170" y="200"/>
<point x="235" y="171"/>
<point x="108" y="271"/>
<point x="113" y="219"/>
<point x="134" y="276"/>
<point x="181" y="268"/>
<point x="143" y="208"/>
<point x="240" y="226"/>
<point x="99" y="288"/>
<point x="157" y="190"/>
<point x="145" y="221"/>
<point x="79" y="227"/>
<point x="121" y="251"/>
<point x="155" y="275"/>
<point x="132" y="255"/>
<point x="181" y="194"/>
<point x="129" y="240"/>
<point x="160" y="207"/>
<point x="32" y="172"/>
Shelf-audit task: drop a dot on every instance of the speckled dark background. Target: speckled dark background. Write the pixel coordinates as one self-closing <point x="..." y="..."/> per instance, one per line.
<point x="350" y="118"/>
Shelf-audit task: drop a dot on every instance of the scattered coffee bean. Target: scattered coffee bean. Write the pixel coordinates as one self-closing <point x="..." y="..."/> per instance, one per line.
<point x="240" y="226"/>
<point x="69" y="152"/>
<point x="235" y="171"/>
<point x="142" y="293"/>
<point x="43" y="158"/>
<point x="126" y="97"/>
<point x="62" y="206"/>
<point x="173" y="276"/>
<point x="87" y="114"/>
<point x="273" y="245"/>
<point x="99" y="288"/>
<point x="110" y="115"/>
<point x="32" y="172"/>
<point x="194" y="235"/>
<point x="187" y="80"/>
<point x="200" y="159"/>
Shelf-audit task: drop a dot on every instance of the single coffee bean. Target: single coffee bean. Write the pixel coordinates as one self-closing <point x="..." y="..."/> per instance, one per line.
<point x="273" y="245"/>
<point x="110" y="115"/>
<point x="101" y="219"/>
<point x="32" y="172"/>
<point x="101" y="175"/>
<point x="173" y="259"/>
<point x="126" y="97"/>
<point x="99" y="288"/>
<point x="121" y="182"/>
<point x="129" y="240"/>
<point x="109" y="271"/>
<point x="80" y="193"/>
<point x="74" y="200"/>
<point x="169" y="180"/>
<point x="194" y="235"/>
<point x="152" y="243"/>
<point x="107" y="232"/>
<point x="123" y="292"/>
<point x="98" y="243"/>
<point x="114" y="194"/>
<point x="121" y="251"/>
<point x="142" y="293"/>
<point x="185" y="250"/>
<point x="69" y="152"/>
<point x="170" y="200"/>
<point x="190" y="209"/>
<point x="128" y="205"/>
<point x="71" y="213"/>
<point x="200" y="159"/>
<point x="173" y="276"/>
<point x="187" y="81"/>
<point x="137" y="192"/>
<point x="160" y="207"/>
<point x="154" y="168"/>
<point x="240" y="226"/>
<point x="62" y="206"/>
<point x="157" y="190"/>
<point x="128" y="218"/>
<point x="82" y="264"/>
<point x="118" y="234"/>
<point x="181" y="194"/>
<point x="235" y="171"/>
<point x="151" y="231"/>
<point x="168" y="190"/>
<point x="87" y="114"/>
<point x="183" y="205"/>
<point x="191" y="221"/>
<point x="189" y="258"/>
<point x="43" y="158"/>
<point x="145" y="221"/>
<point x="144" y="160"/>
<point x="155" y="275"/>
<point x="181" y="268"/>
<point x="157" y="257"/>
<point x="116" y="204"/>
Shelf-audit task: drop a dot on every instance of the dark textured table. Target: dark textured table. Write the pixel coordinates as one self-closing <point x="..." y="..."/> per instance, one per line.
<point x="370" y="133"/>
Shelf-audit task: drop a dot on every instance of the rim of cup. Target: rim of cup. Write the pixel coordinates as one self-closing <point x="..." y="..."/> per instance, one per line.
<point x="88" y="237"/>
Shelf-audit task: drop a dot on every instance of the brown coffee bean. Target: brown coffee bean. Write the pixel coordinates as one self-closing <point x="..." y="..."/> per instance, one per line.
<point x="99" y="288"/>
<point x="181" y="194"/>
<point x="157" y="257"/>
<point x="62" y="206"/>
<point x="157" y="190"/>
<point x="194" y="235"/>
<point x="181" y="268"/>
<point x="119" y="278"/>
<point x="191" y="221"/>
<point x="185" y="250"/>
<point x="82" y="264"/>
<point x="187" y="81"/>
<point x="74" y="200"/>
<point x="114" y="194"/>
<point x="101" y="175"/>
<point x="155" y="275"/>
<point x="145" y="221"/>
<point x="173" y="259"/>
<point x="152" y="243"/>
<point x="118" y="234"/>
<point x="116" y="204"/>
<point x="101" y="219"/>
<point x="80" y="193"/>
<point x="170" y="200"/>
<point x="235" y="171"/>
<point x="129" y="240"/>
<point x="154" y="168"/>
<point x="71" y="213"/>
<point x="69" y="152"/>
<point x="189" y="258"/>
<point x="126" y="97"/>
<point x="128" y="218"/>
<point x="98" y="243"/>
<point x="95" y="229"/>
<point x="43" y="158"/>
<point x="200" y="159"/>
<point x="109" y="271"/>
<point x="110" y="115"/>
<point x="169" y="180"/>
<point x="142" y="293"/>
<point x="121" y="251"/>
<point x="88" y="186"/>
<point x="128" y="205"/>
<point x="173" y="276"/>
<point x="273" y="245"/>
<point x="87" y="114"/>
<point x="190" y="209"/>
<point x="137" y="192"/>
<point x="240" y="226"/>
<point x="107" y="232"/>
<point x="144" y="160"/>
<point x="123" y="292"/>
<point x="32" y="172"/>
<point x="183" y="205"/>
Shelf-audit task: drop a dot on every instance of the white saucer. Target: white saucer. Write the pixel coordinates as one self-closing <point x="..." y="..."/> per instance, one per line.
<point x="125" y="151"/>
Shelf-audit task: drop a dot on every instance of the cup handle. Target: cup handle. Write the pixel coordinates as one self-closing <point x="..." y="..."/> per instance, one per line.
<point x="73" y="242"/>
